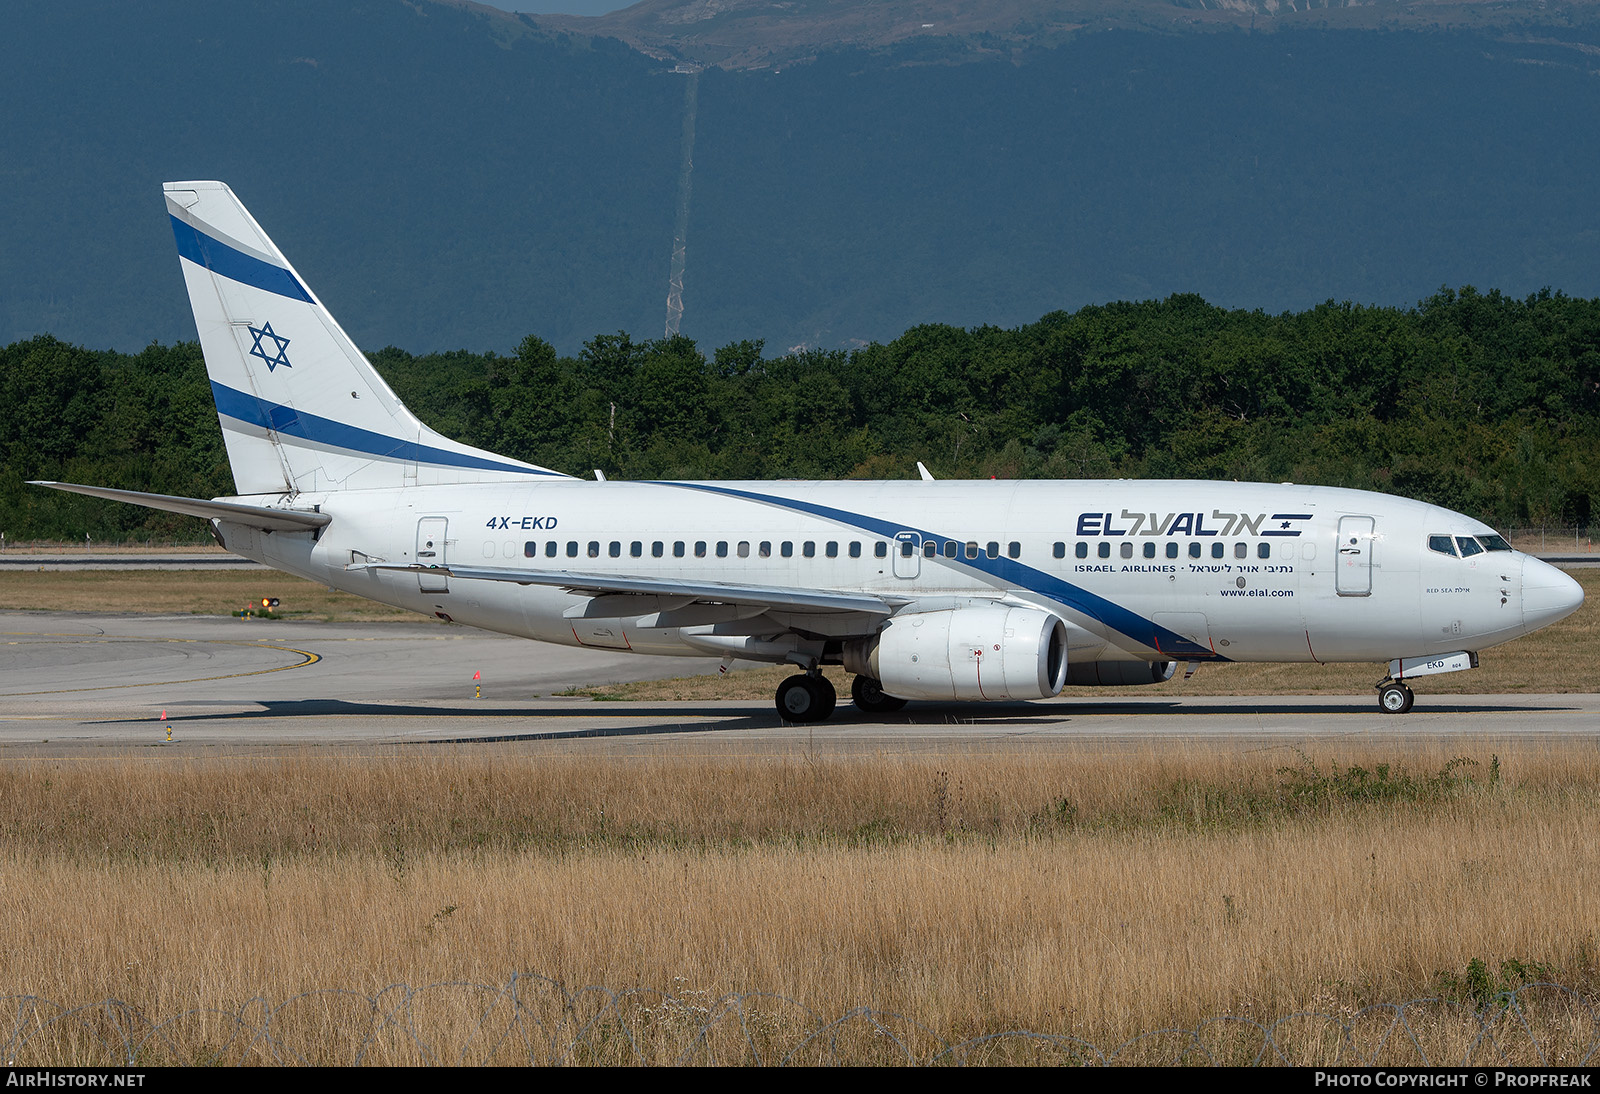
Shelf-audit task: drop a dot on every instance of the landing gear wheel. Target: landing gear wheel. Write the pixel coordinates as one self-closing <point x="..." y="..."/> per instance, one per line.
<point x="830" y="698"/>
<point x="868" y="696"/>
<point x="806" y="698"/>
<point x="1395" y="698"/>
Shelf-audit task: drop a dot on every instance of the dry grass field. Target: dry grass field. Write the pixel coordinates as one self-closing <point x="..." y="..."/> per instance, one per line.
<point x="182" y="592"/>
<point x="1089" y="890"/>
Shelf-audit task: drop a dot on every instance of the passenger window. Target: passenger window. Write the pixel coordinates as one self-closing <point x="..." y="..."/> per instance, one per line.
<point x="722" y="548"/>
<point x="1241" y="550"/>
<point x="636" y="549"/>
<point x="1149" y="550"/>
<point x="832" y="549"/>
<point x="950" y="548"/>
<point x="530" y="549"/>
<point x="1127" y="549"/>
<point x="880" y="549"/>
<point x="765" y="550"/>
<point x="1263" y="549"/>
<point x="855" y="549"/>
<point x="616" y="548"/>
<point x="1014" y="549"/>
<point x="972" y="549"/>
<point x="657" y="549"/>
<point x="1442" y="544"/>
<point x="1194" y="550"/>
<point x="1469" y="546"/>
<point x="992" y="548"/>
<point x="572" y="548"/>
<point x="594" y="548"/>
<point x="1216" y="550"/>
<point x="551" y="548"/>
<point x="1060" y="550"/>
<point x="809" y="549"/>
<point x="699" y="548"/>
<point x="907" y="549"/>
<point x="1172" y="550"/>
<point x="744" y="548"/>
<point x="787" y="549"/>
<point x="1103" y="550"/>
<point x="677" y="548"/>
<point x="1081" y="550"/>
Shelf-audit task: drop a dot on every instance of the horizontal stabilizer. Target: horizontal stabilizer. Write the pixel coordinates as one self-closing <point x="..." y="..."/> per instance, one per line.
<point x="770" y="596"/>
<point x="251" y="516"/>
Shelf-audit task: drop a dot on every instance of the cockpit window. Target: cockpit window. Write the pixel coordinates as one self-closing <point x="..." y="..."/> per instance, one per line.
<point x="1494" y="543"/>
<point x="1469" y="546"/>
<point x="1443" y="544"/>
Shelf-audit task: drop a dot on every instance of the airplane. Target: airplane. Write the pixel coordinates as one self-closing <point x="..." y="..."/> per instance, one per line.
<point x="940" y="590"/>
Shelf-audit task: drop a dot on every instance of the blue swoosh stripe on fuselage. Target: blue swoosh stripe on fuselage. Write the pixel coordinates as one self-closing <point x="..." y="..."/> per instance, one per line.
<point x="1110" y="613"/>
<point x="290" y="422"/>
<point x="234" y="264"/>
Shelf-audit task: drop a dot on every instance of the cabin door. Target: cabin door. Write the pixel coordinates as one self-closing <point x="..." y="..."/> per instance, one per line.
<point x="1356" y="539"/>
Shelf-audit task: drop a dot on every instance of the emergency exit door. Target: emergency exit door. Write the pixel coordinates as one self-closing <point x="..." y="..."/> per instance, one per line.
<point x="907" y="554"/>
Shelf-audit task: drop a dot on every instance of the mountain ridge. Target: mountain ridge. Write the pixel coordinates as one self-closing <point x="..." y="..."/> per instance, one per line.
<point x="746" y="34"/>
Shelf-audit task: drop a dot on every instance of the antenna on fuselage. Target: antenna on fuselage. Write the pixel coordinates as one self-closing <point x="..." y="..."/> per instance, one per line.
<point x="927" y="476"/>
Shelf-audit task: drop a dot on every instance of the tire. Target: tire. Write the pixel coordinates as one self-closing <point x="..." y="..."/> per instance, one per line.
<point x="799" y="699"/>
<point x="868" y="696"/>
<point x="1395" y="699"/>
<point x="829" y="698"/>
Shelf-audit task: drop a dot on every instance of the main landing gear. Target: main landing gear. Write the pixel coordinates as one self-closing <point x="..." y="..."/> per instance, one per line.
<point x="868" y="696"/>
<point x="1394" y="697"/>
<point x="806" y="698"/>
<point x="811" y="698"/>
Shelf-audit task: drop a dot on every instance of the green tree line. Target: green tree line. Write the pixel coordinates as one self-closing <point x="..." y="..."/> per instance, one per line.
<point x="1477" y="401"/>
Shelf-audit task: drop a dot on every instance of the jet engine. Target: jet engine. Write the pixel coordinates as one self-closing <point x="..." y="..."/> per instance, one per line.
<point x="965" y="653"/>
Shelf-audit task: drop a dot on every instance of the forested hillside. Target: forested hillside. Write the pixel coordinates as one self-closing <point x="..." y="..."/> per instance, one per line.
<point x="1481" y="402"/>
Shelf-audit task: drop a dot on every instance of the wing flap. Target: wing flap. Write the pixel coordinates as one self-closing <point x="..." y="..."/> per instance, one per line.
<point x="722" y="592"/>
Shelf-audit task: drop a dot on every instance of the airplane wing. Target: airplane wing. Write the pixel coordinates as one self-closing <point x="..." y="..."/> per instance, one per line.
<point x="779" y="597"/>
<point x="251" y="516"/>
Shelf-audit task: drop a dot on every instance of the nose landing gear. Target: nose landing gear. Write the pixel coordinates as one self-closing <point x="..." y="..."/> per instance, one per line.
<point x="1394" y="697"/>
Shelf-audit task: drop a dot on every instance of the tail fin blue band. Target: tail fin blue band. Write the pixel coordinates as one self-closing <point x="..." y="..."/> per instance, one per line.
<point x="289" y="422"/>
<point x="235" y="265"/>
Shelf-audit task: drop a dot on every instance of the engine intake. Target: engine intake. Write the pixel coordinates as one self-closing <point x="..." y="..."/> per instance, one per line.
<point x="965" y="653"/>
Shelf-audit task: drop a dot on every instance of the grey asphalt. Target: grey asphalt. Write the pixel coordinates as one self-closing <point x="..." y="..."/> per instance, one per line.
<point x="82" y="684"/>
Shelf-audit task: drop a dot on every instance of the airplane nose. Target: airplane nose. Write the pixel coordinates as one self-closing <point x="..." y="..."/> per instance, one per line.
<point x="1547" y="594"/>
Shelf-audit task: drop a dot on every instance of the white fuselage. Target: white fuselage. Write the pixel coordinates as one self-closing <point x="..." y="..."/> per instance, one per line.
<point x="1153" y="571"/>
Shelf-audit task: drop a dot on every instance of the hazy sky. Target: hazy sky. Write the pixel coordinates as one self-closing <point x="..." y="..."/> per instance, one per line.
<point x="563" y="7"/>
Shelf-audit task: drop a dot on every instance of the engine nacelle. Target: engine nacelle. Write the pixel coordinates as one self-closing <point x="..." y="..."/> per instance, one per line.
<point x="966" y="653"/>
<point x="1110" y="674"/>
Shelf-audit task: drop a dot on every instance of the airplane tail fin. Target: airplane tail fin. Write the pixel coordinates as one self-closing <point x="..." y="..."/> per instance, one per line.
<point x="301" y="408"/>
